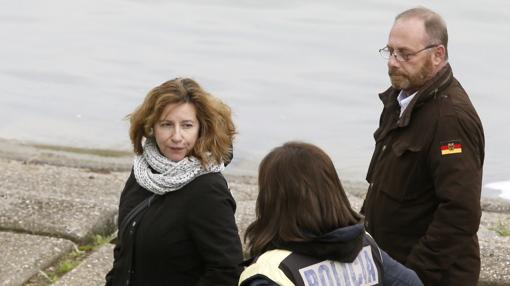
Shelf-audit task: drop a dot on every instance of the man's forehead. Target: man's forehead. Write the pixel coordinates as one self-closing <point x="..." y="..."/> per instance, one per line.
<point x="407" y="33"/>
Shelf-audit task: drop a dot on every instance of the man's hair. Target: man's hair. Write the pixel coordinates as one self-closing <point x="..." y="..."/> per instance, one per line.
<point x="300" y="197"/>
<point x="435" y="26"/>
<point x="216" y="131"/>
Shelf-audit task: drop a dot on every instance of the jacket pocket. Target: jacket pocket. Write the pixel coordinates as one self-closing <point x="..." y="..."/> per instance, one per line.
<point x="402" y="172"/>
<point x="400" y="148"/>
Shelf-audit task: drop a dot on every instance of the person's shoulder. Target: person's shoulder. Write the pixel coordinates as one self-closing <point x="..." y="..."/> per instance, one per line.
<point x="131" y="187"/>
<point x="456" y="109"/>
<point x="215" y="178"/>
<point x="454" y="101"/>
<point x="266" y="269"/>
<point x="209" y="185"/>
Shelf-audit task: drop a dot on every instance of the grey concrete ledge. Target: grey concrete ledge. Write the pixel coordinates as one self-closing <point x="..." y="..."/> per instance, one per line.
<point x="92" y="270"/>
<point x="30" y="191"/>
<point x="54" y="217"/>
<point x="27" y="152"/>
<point x="24" y="255"/>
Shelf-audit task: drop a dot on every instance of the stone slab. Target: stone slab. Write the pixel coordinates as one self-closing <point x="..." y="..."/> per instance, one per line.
<point x="57" y="217"/>
<point x="58" y="201"/>
<point x="23" y="255"/>
<point x="62" y="182"/>
<point x="92" y="270"/>
<point x="32" y="153"/>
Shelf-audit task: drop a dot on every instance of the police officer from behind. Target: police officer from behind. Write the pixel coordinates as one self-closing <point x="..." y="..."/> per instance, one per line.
<point x="305" y="231"/>
<point x="423" y="203"/>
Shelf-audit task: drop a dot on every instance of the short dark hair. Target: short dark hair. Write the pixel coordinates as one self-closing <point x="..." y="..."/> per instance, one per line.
<point x="435" y="26"/>
<point x="300" y="197"/>
<point x="216" y="131"/>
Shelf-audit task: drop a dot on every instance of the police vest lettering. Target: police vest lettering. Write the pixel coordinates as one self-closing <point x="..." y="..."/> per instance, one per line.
<point x="362" y="271"/>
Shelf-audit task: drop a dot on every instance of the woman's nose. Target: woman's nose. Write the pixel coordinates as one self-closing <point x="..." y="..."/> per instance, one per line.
<point x="176" y="135"/>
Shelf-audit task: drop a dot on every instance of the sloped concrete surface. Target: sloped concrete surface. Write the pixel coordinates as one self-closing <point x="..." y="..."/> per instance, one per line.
<point x="74" y="220"/>
<point x="71" y="183"/>
<point x="92" y="270"/>
<point x="57" y="194"/>
<point x="23" y="255"/>
<point x="27" y="152"/>
<point x="58" y="201"/>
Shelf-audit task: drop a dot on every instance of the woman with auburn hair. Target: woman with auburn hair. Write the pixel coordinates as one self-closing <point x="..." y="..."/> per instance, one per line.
<point x="305" y="231"/>
<point x="176" y="213"/>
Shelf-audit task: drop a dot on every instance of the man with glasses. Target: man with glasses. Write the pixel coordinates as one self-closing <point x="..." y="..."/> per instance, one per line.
<point x="423" y="201"/>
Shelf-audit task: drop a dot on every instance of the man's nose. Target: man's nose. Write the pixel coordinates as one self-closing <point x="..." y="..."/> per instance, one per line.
<point x="392" y="61"/>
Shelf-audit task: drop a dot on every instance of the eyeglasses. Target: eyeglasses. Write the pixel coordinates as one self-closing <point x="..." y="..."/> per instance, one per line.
<point x="388" y="52"/>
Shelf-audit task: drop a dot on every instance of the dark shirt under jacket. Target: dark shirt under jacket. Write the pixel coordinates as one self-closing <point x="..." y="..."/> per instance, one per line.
<point x="423" y="203"/>
<point x="185" y="237"/>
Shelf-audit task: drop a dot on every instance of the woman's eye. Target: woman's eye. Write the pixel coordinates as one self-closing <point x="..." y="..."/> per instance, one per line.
<point x="187" y="125"/>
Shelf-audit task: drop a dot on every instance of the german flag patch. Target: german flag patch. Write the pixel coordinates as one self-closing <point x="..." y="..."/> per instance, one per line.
<point x="451" y="147"/>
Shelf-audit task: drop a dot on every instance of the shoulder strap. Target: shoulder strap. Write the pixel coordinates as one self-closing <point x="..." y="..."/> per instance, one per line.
<point x="134" y="212"/>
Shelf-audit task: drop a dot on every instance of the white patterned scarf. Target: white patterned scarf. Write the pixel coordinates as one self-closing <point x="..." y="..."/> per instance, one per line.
<point x="170" y="176"/>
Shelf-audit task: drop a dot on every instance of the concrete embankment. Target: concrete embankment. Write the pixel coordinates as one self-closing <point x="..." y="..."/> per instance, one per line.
<point x="53" y="202"/>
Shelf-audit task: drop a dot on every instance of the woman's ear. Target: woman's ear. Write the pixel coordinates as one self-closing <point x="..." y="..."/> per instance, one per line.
<point x="150" y="132"/>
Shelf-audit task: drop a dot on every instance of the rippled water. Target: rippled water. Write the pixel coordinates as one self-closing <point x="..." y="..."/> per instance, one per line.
<point x="291" y="70"/>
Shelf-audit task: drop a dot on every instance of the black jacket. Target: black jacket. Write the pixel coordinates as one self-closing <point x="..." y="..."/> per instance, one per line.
<point x="185" y="237"/>
<point x="423" y="203"/>
<point x="345" y="256"/>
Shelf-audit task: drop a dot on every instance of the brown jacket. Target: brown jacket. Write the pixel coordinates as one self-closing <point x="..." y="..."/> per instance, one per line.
<point x="423" y="203"/>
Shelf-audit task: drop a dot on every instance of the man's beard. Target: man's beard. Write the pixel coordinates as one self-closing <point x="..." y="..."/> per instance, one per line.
<point x="402" y="80"/>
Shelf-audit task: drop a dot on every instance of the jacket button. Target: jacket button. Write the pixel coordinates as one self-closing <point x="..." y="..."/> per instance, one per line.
<point x="132" y="230"/>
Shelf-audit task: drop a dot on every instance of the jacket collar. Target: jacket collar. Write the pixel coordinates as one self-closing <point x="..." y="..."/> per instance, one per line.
<point x="342" y="244"/>
<point x="389" y="97"/>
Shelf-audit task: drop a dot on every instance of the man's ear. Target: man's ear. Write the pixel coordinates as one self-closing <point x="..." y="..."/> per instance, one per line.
<point x="439" y="55"/>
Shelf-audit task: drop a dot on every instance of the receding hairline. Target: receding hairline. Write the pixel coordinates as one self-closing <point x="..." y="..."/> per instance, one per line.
<point x="426" y="15"/>
<point x="435" y="26"/>
<point x="419" y="12"/>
